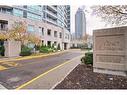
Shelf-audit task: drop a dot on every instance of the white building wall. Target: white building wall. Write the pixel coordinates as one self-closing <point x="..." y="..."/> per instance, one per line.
<point x="11" y="19"/>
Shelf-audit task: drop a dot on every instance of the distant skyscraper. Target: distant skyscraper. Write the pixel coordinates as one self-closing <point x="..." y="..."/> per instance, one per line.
<point x="80" y="24"/>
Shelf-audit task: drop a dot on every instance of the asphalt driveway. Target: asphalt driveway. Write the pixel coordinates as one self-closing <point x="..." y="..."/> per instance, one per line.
<point x="24" y="70"/>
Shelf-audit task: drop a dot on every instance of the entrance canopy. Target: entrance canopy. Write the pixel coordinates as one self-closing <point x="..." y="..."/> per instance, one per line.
<point x="3" y="21"/>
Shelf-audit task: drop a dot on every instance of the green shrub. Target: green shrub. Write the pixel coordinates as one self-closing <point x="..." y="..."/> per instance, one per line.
<point x="88" y="58"/>
<point x="52" y="46"/>
<point x="45" y="49"/>
<point x="2" y="50"/>
<point x="74" y="48"/>
<point x="25" y="51"/>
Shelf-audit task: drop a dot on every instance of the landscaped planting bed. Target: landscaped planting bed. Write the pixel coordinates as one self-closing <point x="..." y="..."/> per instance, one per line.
<point x="83" y="77"/>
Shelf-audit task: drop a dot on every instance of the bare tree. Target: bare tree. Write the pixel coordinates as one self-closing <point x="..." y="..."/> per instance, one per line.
<point x="32" y="38"/>
<point x="3" y="35"/>
<point x="85" y="38"/>
<point x="18" y="32"/>
<point x="111" y="14"/>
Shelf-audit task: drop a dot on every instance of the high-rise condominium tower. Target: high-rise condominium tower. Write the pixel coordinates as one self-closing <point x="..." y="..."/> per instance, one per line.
<point x="80" y="24"/>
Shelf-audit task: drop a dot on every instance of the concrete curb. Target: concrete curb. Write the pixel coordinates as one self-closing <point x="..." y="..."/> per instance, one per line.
<point x="2" y="87"/>
<point x="31" y="57"/>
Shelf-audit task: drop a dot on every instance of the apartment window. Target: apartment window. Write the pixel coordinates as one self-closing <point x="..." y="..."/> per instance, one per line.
<point x="25" y="6"/>
<point x="18" y="12"/>
<point x="55" y="33"/>
<point x="55" y="43"/>
<point x="7" y="11"/>
<point x="42" y="30"/>
<point x="25" y="14"/>
<point x="42" y="42"/>
<point x="48" y="43"/>
<point x="3" y="25"/>
<point x="33" y="16"/>
<point x="31" y="28"/>
<point x="34" y="8"/>
<point x="49" y="32"/>
<point x="60" y="35"/>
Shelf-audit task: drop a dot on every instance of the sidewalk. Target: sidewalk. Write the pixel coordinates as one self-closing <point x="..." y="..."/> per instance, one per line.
<point x="51" y="78"/>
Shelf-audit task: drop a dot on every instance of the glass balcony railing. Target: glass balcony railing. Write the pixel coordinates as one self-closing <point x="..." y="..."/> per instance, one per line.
<point x="52" y="8"/>
<point x="51" y="14"/>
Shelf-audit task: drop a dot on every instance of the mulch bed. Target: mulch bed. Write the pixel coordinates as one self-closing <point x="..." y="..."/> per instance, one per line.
<point x="83" y="77"/>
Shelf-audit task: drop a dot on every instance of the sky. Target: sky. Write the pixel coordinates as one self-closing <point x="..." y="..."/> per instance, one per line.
<point x="92" y="22"/>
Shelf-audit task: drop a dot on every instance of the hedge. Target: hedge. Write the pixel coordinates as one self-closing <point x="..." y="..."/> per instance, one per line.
<point x="2" y="50"/>
<point x="88" y="58"/>
<point x="25" y="51"/>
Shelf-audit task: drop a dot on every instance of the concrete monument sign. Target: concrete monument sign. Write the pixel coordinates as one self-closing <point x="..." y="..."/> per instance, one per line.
<point x="12" y="48"/>
<point x="110" y="51"/>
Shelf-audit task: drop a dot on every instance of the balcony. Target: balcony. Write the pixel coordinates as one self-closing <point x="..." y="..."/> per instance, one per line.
<point x="6" y="10"/>
<point x="6" y="6"/>
<point x="51" y="14"/>
<point x="52" y="8"/>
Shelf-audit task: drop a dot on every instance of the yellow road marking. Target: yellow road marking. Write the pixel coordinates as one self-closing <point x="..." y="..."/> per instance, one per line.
<point x="2" y="68"/>
<point x="31" y="57"/>
<point x="13" y="64"/>
<point x="10" y="64"/>
<point x="43" y="74"/>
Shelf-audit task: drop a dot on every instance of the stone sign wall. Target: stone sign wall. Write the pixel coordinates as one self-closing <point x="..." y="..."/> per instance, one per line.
<point x="110" y="51"/>
<point x="12" y="48"/>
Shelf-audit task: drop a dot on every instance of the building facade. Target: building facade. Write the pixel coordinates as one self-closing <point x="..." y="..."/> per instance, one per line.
<point x="48" y="22"/>
<point x="80" y="24"/>
<point x="68" y="18"/>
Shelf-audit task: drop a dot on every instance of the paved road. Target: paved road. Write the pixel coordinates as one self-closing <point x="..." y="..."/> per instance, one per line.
<point x="20" y="72"/>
